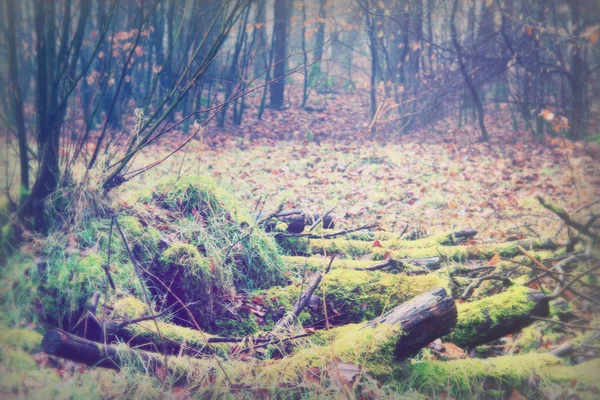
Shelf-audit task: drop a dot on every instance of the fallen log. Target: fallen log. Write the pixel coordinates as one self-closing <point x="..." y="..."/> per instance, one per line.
<point x="477" y="378"/>
<point x="350" y="296"/>
<point x="445" y="238"/>
<point x="294" y="221"/>
<point x="423" y="319"/>
<point x="403" y="249"/>
<point x="375" y="346"/>
<point x="485" y="320"/>
<point x="317" y="263"/>
<point x="65" y="345"/>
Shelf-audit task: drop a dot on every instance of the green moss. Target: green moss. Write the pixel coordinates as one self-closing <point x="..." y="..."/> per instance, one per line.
<point x="281" y="226"/>
<point x="131" y="225"/>
<point x="354" y="296"/>
<point x="187" y="256"/>
<point x="475" y="378"/>
<point x="24" y="339"/>
<point x="218" y="251"/>
<point x="490" y="312"/>
<point x="130" y="308"/>
<point x="433" y="246"/>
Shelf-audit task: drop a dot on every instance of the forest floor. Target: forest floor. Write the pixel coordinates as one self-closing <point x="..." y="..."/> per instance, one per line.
<point x="436" y="179"/>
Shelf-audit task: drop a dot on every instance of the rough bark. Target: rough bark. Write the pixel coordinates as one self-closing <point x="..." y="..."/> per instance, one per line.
<point x="423" y="319"/>
<point x="65" y="345"/>
<point x="415" y="324"/>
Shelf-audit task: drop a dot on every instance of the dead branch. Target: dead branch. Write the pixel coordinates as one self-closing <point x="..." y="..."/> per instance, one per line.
<point x="583" y="228"/>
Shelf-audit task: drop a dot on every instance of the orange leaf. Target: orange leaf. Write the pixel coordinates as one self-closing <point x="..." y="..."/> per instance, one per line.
<point x="377" y="244"/>
<point x="515" y="395"/>
<point x="494" y="260"/>
<point x="452" y="204"/>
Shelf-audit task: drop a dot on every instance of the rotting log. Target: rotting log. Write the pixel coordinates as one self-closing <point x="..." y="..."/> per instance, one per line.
<point x="350" y="296"/>
<point x="423" y="319"/>
<point x="446" y="238"/>
<point x="294" y="221"/>
<point x="62" y="344"/>
<point x="376" y="346"/>
<point x="402" y="249"/>
<point x="318" y="263"/>
<point x="476" y="378"/>
<point x="491" y="318"/>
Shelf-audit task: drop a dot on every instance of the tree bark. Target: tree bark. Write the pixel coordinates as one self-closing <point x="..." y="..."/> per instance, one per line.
<point x="281" y="15"/>
<point x="423" y="319"/>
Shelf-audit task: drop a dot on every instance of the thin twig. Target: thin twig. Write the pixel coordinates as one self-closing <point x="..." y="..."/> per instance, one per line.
<point x="593" y="328"/>
<point x="329" y="235"/>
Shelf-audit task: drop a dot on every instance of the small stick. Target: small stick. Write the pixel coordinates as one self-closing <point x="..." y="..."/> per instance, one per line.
<point x="329" y="235"/>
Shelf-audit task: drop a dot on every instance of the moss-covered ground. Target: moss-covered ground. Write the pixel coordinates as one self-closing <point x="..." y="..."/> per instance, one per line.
<point x="196" y="243"/>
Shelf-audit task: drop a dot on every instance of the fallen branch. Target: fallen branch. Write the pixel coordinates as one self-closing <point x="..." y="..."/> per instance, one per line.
<point x="290" y="317"/>
<point x="568" y="325"/>
<point x="582" y="228"/>
<point x="328" y="235"/>
<point x="477" y="282"/>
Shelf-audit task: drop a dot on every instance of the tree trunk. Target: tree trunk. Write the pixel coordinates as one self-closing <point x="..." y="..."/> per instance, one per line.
<point x="465" y="74"/>
<point x="280" y="26"/>
<point x="15" y="91"/>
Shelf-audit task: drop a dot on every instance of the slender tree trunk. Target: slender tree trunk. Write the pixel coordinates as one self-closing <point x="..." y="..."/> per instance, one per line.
<point x="15" y="91"/>
<point x="465" y="74"/>
<point x="281" y="14"/>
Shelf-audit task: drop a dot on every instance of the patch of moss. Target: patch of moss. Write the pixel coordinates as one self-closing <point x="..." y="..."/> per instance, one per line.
<point x="187" y="256"/>
<point x="437" y="245"/>
<point x="130" y="308"/>
<point x="218" y="251"/>
<point x="24" y="339"/>
<point x="490" y="312"/>
<point x="474" y="378"/>
<point x="354" y="296"/>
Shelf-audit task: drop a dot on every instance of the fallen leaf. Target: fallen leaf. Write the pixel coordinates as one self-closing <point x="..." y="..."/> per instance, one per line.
<point x="494" y="260"/>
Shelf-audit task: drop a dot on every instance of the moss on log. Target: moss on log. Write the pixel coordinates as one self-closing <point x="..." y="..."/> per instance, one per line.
<point x="493" y="317"/>
<point x="356" y="248"/>
<point x="351" y="296"/>
<point x="497" y="377"/>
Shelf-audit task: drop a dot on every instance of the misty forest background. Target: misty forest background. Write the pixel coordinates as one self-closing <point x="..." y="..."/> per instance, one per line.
<point x="229" y="187"/>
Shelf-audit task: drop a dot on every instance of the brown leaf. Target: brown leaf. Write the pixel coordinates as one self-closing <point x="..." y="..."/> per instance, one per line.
<point x="494" y="260"/>
<point x="377" y="244"/>
<point x="515" y="395"/>
<point x="343" y="374"/>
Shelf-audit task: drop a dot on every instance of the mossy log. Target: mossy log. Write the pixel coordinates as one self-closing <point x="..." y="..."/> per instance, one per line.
<point x="294" y="221"/>
<point x="497" y="377"/>
<point x="423" y="319"/>
<point x="65" y="345"/>
<point x="318" y="263"/>
<point x="376" y="346"/>
<point x="447" y="238"/>
<point x="491" y="318"/>
<point x="424" y="248"/>
<point x="350" y="296"/>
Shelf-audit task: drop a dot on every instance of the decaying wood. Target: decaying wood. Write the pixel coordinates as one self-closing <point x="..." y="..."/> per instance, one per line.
<point x="62" y="344"/>
<point x="423" y="319"/>
<point x="491" y="318"/>
<point x="290" y="317"/>
<point x="296" y="220"/>
<point x="582" y="228"/>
